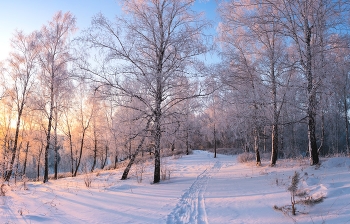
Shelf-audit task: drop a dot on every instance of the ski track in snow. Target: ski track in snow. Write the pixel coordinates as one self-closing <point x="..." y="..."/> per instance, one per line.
<point x="191" y="206"/>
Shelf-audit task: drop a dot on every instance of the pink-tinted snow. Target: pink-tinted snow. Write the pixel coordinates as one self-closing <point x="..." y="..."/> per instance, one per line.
<point x="201" y="189"/>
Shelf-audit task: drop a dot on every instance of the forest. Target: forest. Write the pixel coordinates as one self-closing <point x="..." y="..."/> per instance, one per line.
<point x="140" y="84"/>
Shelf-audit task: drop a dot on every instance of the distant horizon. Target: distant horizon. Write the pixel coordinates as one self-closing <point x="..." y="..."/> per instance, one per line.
<point x="30" y="16"/>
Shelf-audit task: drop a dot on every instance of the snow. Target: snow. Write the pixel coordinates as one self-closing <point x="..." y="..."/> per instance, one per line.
<point x="201" y="189"/>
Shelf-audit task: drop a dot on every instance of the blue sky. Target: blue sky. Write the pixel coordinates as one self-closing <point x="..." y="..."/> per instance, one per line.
<point x="30" y="15"/>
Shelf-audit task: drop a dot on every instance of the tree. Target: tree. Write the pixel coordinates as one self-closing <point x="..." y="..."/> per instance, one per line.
<point x="66" y="127"/>
<point x="84" y="113"/>
<point x="267" y="45"/>
<point x="112" y="129"/>
<point x="38" y="140"/>
<point x="241" y="74"/>
<point x="6" y="117"/>
<point x="22" y="71"/>
<point x="309" y="24"/>
<point x="133" y="156"/>
<point x="54" y="57"/>
<point x="340" y="80"/>
<point x="98" y="129"/>
<point x="29" y="126"/>
<point x="252" y="22"/>
<point x="212" y="118"/>
<point x="155" y="45"/>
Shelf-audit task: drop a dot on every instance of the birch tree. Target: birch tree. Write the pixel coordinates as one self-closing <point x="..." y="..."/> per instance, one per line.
<point x="84" y="114"/>
<point x="155" y="44"/>
<point x="262" y="32"/>
<point x="241" y="75"/>
<point x="54" y="57"/>
<point x="309" y="24"/>
<point x="22" y="71"/>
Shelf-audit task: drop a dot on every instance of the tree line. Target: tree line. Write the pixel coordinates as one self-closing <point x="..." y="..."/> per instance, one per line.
<point x="140" y="83"/>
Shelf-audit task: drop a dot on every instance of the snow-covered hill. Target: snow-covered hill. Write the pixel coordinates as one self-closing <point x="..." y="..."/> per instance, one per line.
<point x="201" y="189"/>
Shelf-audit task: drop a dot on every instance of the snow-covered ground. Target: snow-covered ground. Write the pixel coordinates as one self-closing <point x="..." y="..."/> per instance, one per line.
<point x="201" y="189"/>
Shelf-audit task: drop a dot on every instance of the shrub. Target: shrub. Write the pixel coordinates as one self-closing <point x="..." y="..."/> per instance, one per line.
<point x="165" y="171"/>
<point x="87" y="176"/>
<point x="139" y="170"/>
<point x="293" y="189"/>
<point x="88" y="180"/>
<point x="25" y="180"/>
<point x="3" y="190"/>
<point x="245" y="157"/>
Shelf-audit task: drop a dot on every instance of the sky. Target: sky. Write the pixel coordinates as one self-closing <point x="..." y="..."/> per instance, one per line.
<point x="32" y="15"/>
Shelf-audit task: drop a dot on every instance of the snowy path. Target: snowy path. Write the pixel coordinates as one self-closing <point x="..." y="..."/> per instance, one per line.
<point x="191" y="206"/>
<point x="201" y="190"/>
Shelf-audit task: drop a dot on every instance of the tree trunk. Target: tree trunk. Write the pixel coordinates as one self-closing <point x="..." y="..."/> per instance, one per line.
<point x="4" y="165"/>
<point x="115" y="161"/>
<point x="80" y="153"/>
<point x="105" y="159"/>
<point x="173" y="146"/>
<point x="17" y="163"/>
<point x="187" y="146"/>
<point x="256" y="147"/>
<point x="311" y="133"/>
<point x="132" y="158"/>
<point x="25" y="159"/>
<point x="71" y="152"/>
<point x="322" y="133"/>
<point x="157" y="122"/>
<point x="311" y="107"/>
<point x="156" y="178"/>
<point x="264" y="139"/>
<point x="55" y="144"/>
<point x="156" y="165"/>
<point x="95" y="152"/>
<point x="38" y="170"/>
<point x="38" y="165"/>
<point x="214" y="141"/>
<point x="282" y="141"/>
<point x="274" y="139"/>
<point x="14" y="149"/>
<point x="130" y="141"/>
<point x="128" y="167"/>
<point x="346" y="117"/>
<point x="48" y="134"/>
<point x="296" y="153"/>
<point x="274" y="132"/>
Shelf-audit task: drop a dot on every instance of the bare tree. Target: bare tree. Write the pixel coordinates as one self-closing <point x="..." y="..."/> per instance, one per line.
<point x="7" y="116"/>
<point x="29" y="126"/>
<point x="256" y="23"/>
<point x="96" y="128"/>
<point x="338" y="82"/>
<point x="133" y="156"/>
<point x="257" y="39"/>
<point x="111" y="125"/>
<point x="85" y="113"/>
<point x="310" y="23"/>
<point x="22" y="71"/>
<point x="54" y="56"/>
<point x="156" y="45"/>
<point x="66" y="127"/>
<point x="241" y="73"/>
